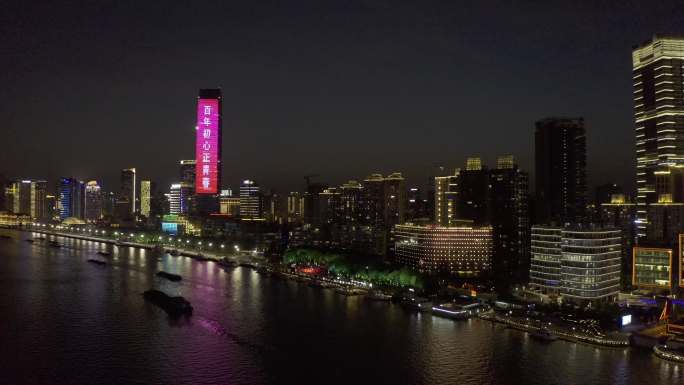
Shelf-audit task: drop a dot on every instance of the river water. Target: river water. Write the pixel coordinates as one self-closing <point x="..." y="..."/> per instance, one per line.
<point x="66" y="321"/>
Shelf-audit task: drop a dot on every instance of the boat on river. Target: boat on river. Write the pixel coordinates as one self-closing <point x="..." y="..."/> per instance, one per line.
<point x="97" y="262"/>
<point x="173" y="306"/>
<point x="543" y="335"/>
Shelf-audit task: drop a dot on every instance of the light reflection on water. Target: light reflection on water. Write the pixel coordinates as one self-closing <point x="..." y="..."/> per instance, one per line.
<point x="80" y="323"/>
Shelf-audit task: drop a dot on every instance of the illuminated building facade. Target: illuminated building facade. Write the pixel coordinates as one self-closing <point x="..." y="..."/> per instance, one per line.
<point x="446" y="198"/>
<point x="580" y="263"/>
<point x="457" y="250"/>
<point x="179" y="199"/>
<point x="652" y="268"/>
<point x="93" y="202"/>
<point x="295" y="207"/>
<point x="659" y="119"/>
<point x="127" y="196"/>
<point x="250" y="201"/>
<point x="145" y="197"/>
<point x="208" y="151"/>
<point x="71" y="201"/>
<point x="560" y="164"/>
<point x="28" y="197"/>
<point x="229" y="204"/>
<point x="545" y="263"/>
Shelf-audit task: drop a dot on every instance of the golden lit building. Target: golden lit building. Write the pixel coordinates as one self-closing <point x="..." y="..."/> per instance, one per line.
<point x="460" y="250"/>
<point x="652" y="268"/>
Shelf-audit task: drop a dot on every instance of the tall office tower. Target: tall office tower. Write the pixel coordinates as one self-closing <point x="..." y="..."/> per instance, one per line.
<point x="28" y="197"/>
<point x="71" y="198"/>
<point x="373" y="196"/>
<point x="93" y="202"/>
<point x="39" y="209"/>
<point x="187" y="171"/>
<point x="446" y="198"/>
<point x="179" y="199"/>
<point x="175" y="206"/>
<point x="108" y="204"/>
<point x="509" y="217"/>
<point x="395" y="199"/>
<point x="415" y="205"/>
<point x="659" y="117"/>
<point x="350" y="201"/>
<point x="560" y="165"/>
<point x="128" y="194"/>
<point x="145" y="197"/>
<point x="51" y="207"/>
<point x="295" y="206"/>
<point x="208" y="151"/>
<point x="329" y="206"/>
<point x="250" y="201"/>
<point x="473" y="201"/>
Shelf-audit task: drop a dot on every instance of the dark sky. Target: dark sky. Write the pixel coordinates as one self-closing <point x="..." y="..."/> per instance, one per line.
<point x="340" y="89"/>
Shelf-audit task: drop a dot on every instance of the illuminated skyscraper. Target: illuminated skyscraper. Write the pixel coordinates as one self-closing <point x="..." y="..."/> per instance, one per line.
<point x="128" y="190"/>
<point x="145" y="191"/>
<point x="28" y="197"/>
<point x="659" y="118"/>
<point x="446" y="195"/>
<point x="208" y="151"/>
<point x="71" y="201"/>
<point x="250" y="201"/>
<point x="560" y="165"/>
<point x="93" y="201"/>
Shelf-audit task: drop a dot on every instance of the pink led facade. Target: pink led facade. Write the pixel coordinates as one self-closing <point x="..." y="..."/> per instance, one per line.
<point x="207" y="146"/>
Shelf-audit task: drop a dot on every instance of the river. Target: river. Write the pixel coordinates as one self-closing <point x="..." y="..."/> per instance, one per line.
<point x="66" y="321"/>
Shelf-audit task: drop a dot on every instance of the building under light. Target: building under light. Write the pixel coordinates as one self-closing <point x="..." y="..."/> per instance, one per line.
<point x="579" y="263"/>
<point x="93" y="201"/>
<point x="145" y="197"/>
<point x="659" y="119"/>
<point x="652" y="268"/>
<point x="459" y="250"/>
<point x="250" y="201"/>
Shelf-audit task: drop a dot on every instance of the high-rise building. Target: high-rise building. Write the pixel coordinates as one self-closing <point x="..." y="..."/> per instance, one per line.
<point x="460" y="250"/>
<point x="128" y="194"/>
<point x="71" y="201"/>
<point x="560" y="165"/>
<point x="145" y="197"/>
<point x="93" y="202"/>
<point x="446" y="198"/>
<point x="208" y="151"/>
<point x="473" y="200"/>
<point x="509" y="217"/>
<point x="250" y="201"/>
<point x="179" y="198"/>
<point x="28" y="197"/>
<point x="188" y="171"/>
<point x="659" y="118"/>
<point x="295" y="207"/>
<point x="579" y="263"/>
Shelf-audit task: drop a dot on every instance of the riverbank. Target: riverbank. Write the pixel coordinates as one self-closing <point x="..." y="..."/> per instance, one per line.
<point x="345" y="287"/>
<point x="561" y="333"/>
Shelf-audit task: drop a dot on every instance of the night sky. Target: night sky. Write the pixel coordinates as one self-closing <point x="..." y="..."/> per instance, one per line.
<point x="340" y="89"/>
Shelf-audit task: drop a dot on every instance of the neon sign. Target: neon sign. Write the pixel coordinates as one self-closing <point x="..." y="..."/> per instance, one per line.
<point x="206" y="146"/>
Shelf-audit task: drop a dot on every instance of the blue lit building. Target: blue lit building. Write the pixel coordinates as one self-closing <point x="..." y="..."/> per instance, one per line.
<point x="71" y="198"/>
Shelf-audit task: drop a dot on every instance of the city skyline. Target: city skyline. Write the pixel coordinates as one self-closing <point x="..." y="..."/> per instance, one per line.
<point x="418" y="103"/>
